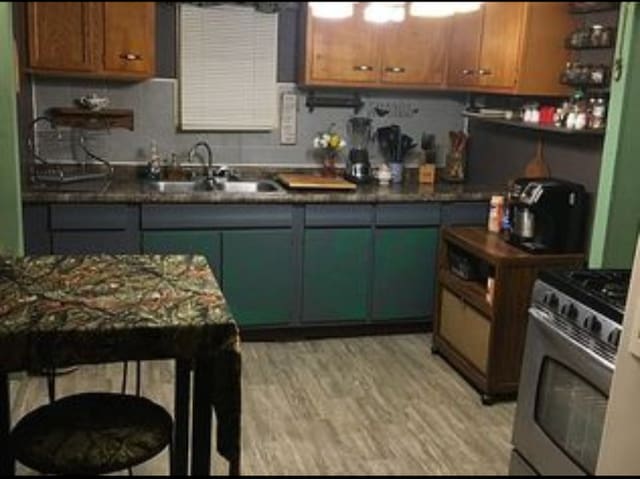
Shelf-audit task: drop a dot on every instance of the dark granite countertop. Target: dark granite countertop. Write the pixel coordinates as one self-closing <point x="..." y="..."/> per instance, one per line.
<point x="131" y="190"/>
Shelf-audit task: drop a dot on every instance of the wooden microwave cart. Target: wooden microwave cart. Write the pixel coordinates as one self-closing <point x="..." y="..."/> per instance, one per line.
<point x="483" y="339"/>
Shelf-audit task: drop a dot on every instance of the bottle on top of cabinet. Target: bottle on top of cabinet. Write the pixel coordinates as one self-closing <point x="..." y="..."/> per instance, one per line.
<point x="496" y="213"/>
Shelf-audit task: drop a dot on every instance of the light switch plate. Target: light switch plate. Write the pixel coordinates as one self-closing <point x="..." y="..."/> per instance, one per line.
<point x="288" y="118"/>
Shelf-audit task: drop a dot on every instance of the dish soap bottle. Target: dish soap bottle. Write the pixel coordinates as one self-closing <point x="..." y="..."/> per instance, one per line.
<point x="153" y="166"/>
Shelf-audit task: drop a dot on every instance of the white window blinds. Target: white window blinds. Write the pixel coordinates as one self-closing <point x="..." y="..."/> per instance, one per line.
<point x="228" y="61"/>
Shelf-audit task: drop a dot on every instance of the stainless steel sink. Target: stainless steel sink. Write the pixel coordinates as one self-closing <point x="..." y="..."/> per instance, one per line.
<point x="228" y="186"/>
<point x="178" y="186"/>
<point x="260" y="186"/>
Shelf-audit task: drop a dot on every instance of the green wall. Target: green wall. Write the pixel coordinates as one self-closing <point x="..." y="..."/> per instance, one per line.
<point x="617" y="217"/>
<point x="10" y="203"/>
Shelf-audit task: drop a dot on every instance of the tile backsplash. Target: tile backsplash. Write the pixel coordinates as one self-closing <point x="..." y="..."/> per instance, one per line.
<point x="156" y="117"/>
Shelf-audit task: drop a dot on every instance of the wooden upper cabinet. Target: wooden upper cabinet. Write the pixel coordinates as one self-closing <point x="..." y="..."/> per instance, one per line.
<point x="92" y="39"/>
<point x="511" y="47"/>
<point x="129" y="37"/>
<point x="464" y="48"/>
<point x="63" y="36"/>
<point x="501" y="44"/>
<point x="342" y="51"/>
<point x="414" y="51"/>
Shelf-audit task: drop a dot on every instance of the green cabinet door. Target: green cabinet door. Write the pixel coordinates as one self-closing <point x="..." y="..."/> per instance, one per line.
<point x="336" y="275"/>
<point x="258" y="275"/>
<point x="404" y="272"/>
<point x="206" y="243"/>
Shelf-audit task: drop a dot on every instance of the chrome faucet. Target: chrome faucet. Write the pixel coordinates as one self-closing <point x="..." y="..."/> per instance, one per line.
<point x="210" y="170"/>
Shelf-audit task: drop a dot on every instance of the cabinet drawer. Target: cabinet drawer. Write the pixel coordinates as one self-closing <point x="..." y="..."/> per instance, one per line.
<point x="465" y="329"/>
<point x="408" y="215"/>
<point x="465" y="214"/>
<point x="339" y="215"/>
<point x="92" y="217"/>
<point x="94" y="242"/>
<point x="208" y="216"/>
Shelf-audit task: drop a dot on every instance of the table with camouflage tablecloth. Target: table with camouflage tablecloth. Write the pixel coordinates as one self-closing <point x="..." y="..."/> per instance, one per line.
<point x="57" y="311"/>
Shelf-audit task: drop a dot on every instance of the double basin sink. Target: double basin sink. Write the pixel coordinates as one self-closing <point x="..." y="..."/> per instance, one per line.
<point x="228" y="186"/>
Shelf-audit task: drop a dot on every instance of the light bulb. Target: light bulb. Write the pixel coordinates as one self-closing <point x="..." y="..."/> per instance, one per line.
<point x="467" y="7"/>
<point x="432" y="9"/>
<point x="331" y="10"/>
<point x="382" y="12"/>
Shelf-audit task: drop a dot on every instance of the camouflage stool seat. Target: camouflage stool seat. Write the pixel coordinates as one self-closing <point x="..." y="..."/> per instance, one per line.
<point x="91" y="433"/>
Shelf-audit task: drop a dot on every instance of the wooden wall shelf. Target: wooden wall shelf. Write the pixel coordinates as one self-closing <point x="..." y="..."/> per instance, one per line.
<point x="92" y="120"/>
<point x="536" y="126"/>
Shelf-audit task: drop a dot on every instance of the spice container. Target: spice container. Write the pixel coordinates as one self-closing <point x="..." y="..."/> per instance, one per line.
<point x="496" y="212"/>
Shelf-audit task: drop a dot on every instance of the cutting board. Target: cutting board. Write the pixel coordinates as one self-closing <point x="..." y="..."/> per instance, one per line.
<point x="537" y="167"/>
<point x="292" y="180"/>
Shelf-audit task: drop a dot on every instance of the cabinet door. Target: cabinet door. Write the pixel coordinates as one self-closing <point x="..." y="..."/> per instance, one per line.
<point x="64" y="36"/>
<point x="404" y="272"/>
<point x="413" y="52"/>
<point x="342" y="51"/>
<point x="464" y="49"/>
<point x="206" y="243"/>
<point x="258" y="275"/>
<point x="501" y="44"/>
<point x="465" y="329"/>
<point x="336" y="274"/>
<point x="129" y="33"/>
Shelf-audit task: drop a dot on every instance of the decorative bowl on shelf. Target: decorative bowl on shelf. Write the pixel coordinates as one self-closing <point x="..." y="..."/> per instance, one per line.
<point x="93" y="102"/>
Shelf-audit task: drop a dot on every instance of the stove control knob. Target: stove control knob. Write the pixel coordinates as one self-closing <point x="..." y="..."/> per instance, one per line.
<point x="592" y="324"/>
<point x="572" y="312"/>
<point x="614" y="337"/>
<point x="553" y="301"/>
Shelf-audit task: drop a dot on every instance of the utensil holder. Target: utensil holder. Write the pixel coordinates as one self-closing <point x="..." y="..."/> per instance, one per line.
<point x="455" y="167"/>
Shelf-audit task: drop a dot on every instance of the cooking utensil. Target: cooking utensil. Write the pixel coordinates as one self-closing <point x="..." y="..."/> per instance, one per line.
<point x="537" y="167"/>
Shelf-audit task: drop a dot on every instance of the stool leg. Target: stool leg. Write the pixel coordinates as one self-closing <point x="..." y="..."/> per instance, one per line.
<point x="7" y="463"/>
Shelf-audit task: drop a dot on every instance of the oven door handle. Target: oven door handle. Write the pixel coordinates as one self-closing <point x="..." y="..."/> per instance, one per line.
<point x="556" y="335"/>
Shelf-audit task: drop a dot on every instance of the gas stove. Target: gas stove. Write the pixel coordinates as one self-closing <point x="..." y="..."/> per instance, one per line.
<point x="590" y="301"/>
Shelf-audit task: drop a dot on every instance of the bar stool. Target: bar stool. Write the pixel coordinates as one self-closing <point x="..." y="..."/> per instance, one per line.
<point x="92" y="433"/>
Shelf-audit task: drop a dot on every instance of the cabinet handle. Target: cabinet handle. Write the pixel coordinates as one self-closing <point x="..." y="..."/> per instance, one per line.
<point x="468" y="71"/>
<point x="484" y="71"/>
<point x="395" y="69"/>
<point x="130" y="56"/>
<point x="363" y="68"/>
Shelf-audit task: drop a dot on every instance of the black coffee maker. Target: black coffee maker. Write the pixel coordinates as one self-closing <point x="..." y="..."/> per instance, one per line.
<point x="547" y="215"/>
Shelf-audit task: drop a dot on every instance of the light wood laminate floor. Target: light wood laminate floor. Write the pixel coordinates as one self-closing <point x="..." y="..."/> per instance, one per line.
<point x="371" y="405"/>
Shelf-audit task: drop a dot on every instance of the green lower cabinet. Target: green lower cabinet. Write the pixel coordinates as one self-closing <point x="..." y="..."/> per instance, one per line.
<point x="206" y="243"/>
<point x="404" y="272"/>
<point x="258" y="275"/>
<point x="336" y="274"/>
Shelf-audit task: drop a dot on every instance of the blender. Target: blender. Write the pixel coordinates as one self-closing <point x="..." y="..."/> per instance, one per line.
<point x="359" y="133"/>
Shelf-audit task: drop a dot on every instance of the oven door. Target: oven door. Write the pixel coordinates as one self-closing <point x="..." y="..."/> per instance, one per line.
<point x="562" y="398"/>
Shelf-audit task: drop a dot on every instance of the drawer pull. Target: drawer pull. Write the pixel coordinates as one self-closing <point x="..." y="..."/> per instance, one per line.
<point x="468" y="71"/>
<point x="484" y="71"/>
<point x="363" y="68"/>
<point x="130" y="57"/>
<point x="395" y="69"/>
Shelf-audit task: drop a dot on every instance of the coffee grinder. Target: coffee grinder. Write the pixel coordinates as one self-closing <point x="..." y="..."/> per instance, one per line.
<point x="359" y="134"/>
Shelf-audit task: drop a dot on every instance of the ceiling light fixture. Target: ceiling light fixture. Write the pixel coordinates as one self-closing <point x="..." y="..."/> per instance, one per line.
<point x="441" y="9"/>
<point x="382" y="12"/>
<point x="467" y="7"/>
<point x="331" y="10"/>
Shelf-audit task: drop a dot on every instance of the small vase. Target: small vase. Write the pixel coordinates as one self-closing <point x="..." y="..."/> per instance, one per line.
<point x="329" y="165"/>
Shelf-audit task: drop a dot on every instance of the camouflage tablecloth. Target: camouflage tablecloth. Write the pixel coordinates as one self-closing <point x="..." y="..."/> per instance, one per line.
<point x="65" y="310"/>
